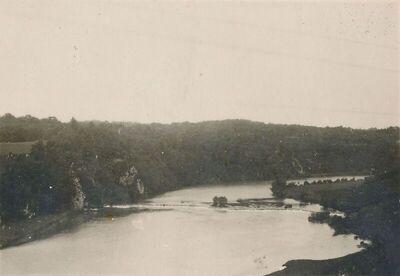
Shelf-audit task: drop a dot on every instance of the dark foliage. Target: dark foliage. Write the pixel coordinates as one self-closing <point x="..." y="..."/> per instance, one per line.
<point x="220" y="201"/>
<point x="372" y="212"/>
<point x="169" y="157"/>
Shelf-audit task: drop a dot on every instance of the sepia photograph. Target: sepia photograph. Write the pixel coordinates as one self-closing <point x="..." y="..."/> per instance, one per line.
<point x="199" y="137"/>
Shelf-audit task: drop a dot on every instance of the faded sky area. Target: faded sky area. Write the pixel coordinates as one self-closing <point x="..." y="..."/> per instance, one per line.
<point x="312" y="63"/>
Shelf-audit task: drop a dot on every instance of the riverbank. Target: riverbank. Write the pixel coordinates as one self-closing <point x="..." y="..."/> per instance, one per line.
<point x="42" y="227"/>
<point x="347" y="265"/>
<point x="371" y="211"/>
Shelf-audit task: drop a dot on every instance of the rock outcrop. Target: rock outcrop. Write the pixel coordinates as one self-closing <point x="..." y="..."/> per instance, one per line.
<point x="78" y="199"/>
<point x="131" y="178"/>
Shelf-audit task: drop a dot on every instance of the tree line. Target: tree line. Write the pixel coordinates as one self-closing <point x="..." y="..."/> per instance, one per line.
<point x="79" y="164"/>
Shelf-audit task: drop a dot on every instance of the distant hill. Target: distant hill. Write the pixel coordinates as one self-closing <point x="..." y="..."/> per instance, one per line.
<point x="78" y="160"/>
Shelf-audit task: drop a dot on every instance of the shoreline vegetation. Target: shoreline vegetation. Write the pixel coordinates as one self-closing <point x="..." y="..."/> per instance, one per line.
<point x="50" y="171"/>
<point x="46" y="226"/>
<point x="368" y="261"/>
<point x="371" y="212"/>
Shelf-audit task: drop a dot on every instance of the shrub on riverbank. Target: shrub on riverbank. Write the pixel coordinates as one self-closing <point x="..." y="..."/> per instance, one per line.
<point x="319" y="217"/>
<point x="220" y="201"/>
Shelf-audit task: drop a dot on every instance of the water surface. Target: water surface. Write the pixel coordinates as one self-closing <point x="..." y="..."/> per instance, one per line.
<point x="190" y="239"/>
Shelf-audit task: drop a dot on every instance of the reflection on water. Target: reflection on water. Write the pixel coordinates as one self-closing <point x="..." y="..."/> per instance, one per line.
<point x="191" y="239"/>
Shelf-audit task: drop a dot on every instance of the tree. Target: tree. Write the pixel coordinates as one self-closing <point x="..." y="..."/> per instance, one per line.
<point x="220" y="201"/>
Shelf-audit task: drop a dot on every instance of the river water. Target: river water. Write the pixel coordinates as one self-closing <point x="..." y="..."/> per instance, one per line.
<point x="186" y="238"/>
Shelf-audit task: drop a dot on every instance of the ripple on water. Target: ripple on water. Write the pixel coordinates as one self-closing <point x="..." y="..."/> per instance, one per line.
<point x="191" y="239"/>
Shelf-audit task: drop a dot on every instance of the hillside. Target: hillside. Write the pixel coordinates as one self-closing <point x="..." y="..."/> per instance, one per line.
<point x="97" y="163"/>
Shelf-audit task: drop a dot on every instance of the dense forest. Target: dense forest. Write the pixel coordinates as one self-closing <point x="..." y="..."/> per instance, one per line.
<point x="76" y="164"/>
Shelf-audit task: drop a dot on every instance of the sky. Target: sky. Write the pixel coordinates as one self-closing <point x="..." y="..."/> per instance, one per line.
<point x="325" y="63"/>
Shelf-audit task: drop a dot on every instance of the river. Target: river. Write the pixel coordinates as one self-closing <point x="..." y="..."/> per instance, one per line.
<point x="186" y="238"/>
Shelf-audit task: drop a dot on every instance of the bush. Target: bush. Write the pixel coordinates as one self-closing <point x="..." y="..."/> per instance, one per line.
<point x="319" y="217"/>
<point x="219" y="201"/>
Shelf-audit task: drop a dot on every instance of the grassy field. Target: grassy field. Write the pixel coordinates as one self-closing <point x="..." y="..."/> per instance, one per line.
<point x="16" y="148"/>
<point x="338" y="195"/>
